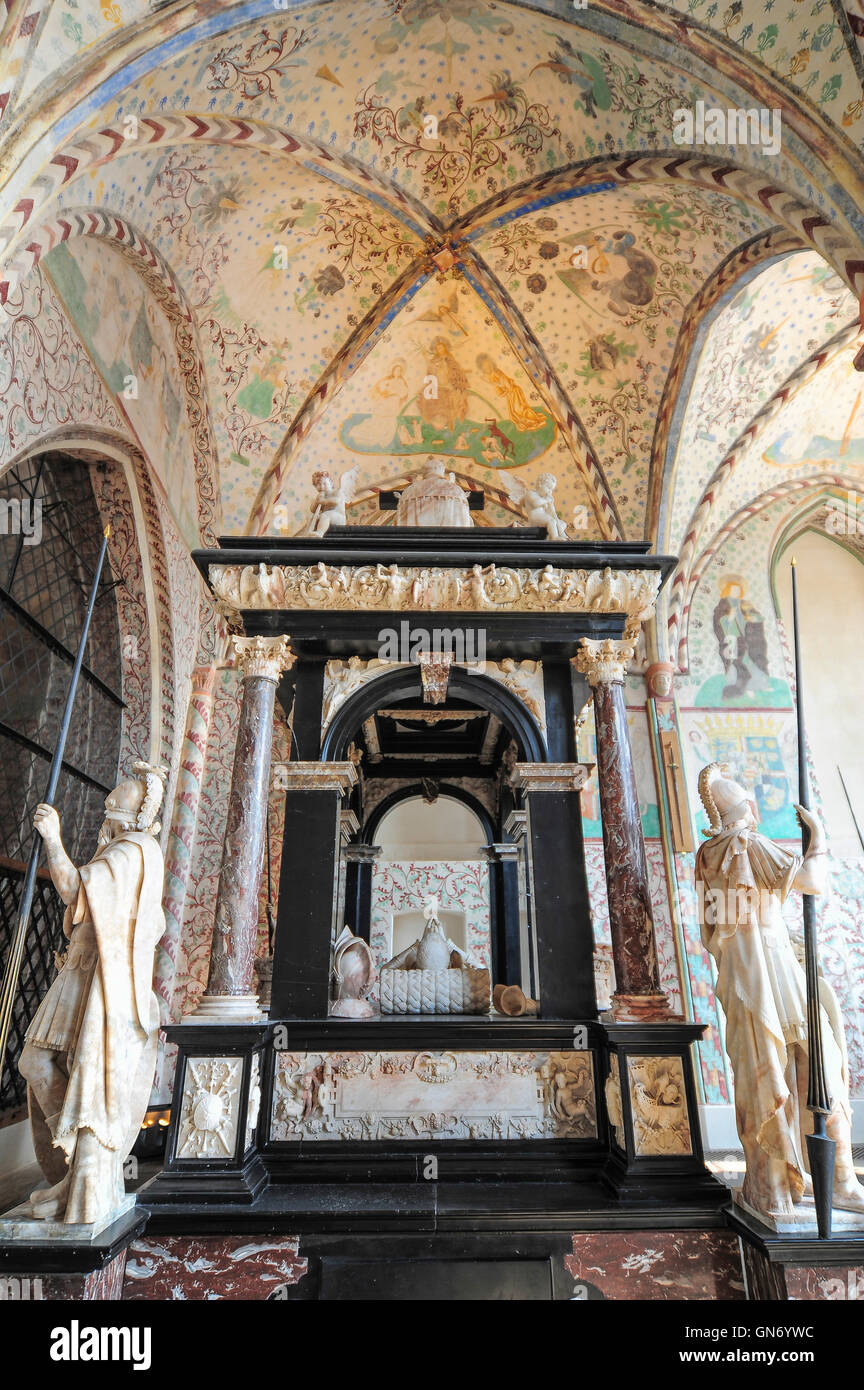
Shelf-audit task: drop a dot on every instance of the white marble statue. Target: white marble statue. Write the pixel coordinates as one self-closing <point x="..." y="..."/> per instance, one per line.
<point x="354" y="973"/>
<point x="90" y="1052"/>
<point x="537" y="505"/>
<point x="742" y="880"/>
<point x="434" y="499"/>
<point x="331" y="502"/>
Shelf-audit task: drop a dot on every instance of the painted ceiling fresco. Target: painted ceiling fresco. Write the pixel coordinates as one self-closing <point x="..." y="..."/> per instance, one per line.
<point x="354" y="198"/>
<point x="768" y="327"/>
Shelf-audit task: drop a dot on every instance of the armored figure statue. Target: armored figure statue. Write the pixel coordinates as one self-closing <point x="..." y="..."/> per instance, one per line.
<point x="742" y="880"/>
<point x="90" y="1052"/>
<point x="433" y="500"/>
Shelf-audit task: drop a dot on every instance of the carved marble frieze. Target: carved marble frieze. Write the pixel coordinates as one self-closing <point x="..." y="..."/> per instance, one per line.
<point x="658" y="1104"/>
<point x="478" y="588"/>
<point x="433" y="1095"/>
<point x="210" y="1107"/>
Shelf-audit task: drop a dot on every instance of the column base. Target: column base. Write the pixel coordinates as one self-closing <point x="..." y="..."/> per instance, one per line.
<point x="226" y="1008"/>
<point x="643" y="1008"/>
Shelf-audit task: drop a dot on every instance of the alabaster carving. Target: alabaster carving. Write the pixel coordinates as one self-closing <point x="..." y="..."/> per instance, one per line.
<point x="343" y="677"/>
<point x="443" y="1095"/>
<point x="253" y="1104"/>
<point x="525" y="680"/>
<point x="433" y="976"/>
<point x="317" y="777"/>
<point x="354" y="975"/>
<point x="210" y="1108"/>
<point x="331" y="501"/>
<point x="603" y="662"/>
<point x="394" y="588"/>
<point x="435" y="676"/>
<point x="434" y="499"/>
<point x="536" y="502"/>
<point x="614" y="1108"/>
<point x="551" y="777"/>
<point x="742" y="881"/>
<point x="658" y="1106"/>
<point x="263" y="656"/>
<point x="90" y="1051"/>
<point x="510" y="1000"/>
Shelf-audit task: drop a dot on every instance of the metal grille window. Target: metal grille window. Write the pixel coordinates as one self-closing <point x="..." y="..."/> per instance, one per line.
<point x="50" y="533"/>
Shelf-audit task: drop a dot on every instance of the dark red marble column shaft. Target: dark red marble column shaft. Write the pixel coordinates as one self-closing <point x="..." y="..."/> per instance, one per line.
<point x="235" y="926"/>
<point x="631" y="920"/>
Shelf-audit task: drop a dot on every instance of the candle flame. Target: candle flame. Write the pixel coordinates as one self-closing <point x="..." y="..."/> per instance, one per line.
<point x="107" y="532"/>
<point x="793" y="562"/>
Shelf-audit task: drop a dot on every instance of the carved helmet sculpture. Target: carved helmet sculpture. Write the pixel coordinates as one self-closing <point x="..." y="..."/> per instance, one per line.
<point x="134" y="802"/>
<point x="726" y="802"/>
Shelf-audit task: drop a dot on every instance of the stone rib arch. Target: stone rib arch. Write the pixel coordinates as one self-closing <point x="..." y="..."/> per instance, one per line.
<point x="749" y="260"/>
<point x="157" y="275"/>
<point x="681" y="585"/>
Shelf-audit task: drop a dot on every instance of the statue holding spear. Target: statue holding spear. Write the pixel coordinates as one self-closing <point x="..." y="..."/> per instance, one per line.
<point x="89" y="1053"/>
<point x="784" y="1030"/>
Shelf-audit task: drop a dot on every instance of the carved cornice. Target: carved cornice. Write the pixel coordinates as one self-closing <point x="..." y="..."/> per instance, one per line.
<point x="317" y="777"/>
<point x="263" y="656"/>
<point x="604" y="662"/>
<point x="551" y="777"/>
<point x="475" y="589"/>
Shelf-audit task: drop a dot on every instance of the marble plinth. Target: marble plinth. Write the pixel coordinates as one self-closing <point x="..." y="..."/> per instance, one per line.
<point x="18" y="1224"/>
<point x="803" y="1220"/>
<point x="226" y="1008"/>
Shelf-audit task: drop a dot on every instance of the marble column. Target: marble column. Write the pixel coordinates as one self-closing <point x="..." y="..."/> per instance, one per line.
<point x="360" y="864"/>
<point x="638" y="996"/>
<point x="229" y="996"/>
<point x="181" y="839"/>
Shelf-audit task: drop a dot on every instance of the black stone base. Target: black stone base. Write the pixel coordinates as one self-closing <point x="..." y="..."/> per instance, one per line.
<point x="67" y="1257"/>
<point x="841" y="1248"/>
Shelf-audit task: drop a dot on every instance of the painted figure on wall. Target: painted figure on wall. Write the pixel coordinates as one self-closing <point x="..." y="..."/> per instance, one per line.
<point x="740" y="631"/>
<point x="90" y="1052"/>
<point x="743" y="879"/>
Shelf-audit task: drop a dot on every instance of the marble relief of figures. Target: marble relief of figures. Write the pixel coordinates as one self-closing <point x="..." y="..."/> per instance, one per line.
<point x="450" y="1095"/>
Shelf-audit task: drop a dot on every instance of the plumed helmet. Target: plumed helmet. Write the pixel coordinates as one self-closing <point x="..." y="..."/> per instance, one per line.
<point x="725" y="801"/>
<point x="135" y="801"/>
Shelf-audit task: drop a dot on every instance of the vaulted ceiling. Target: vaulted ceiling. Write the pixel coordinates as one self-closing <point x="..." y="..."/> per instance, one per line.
<point x="357" y="232"/>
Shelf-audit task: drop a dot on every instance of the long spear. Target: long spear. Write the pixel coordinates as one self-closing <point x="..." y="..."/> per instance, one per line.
<point x="16" y="953"/>
<point x="820" y="1149"/>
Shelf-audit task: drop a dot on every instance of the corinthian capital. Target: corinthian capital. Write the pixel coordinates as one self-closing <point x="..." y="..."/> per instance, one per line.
<point x="263" y="656"/>
<point x="604" y="661"/>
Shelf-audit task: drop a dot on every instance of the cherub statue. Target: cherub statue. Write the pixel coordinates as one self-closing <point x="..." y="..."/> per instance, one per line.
<point x="537" y="504"/>
<point x="90" y="1052"/>
<point x="331" y="502"/>
<point x="742" y="880"/>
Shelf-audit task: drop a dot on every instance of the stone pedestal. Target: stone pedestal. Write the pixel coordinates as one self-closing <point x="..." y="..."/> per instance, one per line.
<point x="652" y="1111"/>
<point x="558" y="887"/>
<point x="638" y="997"/>
<point x="309" y="881"/>
<point x="229" y="996"/>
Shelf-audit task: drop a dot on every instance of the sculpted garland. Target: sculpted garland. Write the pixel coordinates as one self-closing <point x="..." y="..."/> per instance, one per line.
<point x="479" y="587"/>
